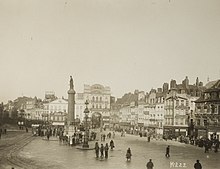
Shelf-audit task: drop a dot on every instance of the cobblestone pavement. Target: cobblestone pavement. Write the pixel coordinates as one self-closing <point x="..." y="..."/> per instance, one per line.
<point x="10" y="145"/>
<point x="55" y="155"/>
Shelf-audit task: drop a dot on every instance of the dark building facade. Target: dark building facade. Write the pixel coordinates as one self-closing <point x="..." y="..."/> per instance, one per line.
<point x="207" y="114"/>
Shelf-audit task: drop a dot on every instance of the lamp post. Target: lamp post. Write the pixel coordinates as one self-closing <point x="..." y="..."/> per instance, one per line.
<point x="86" y="111"/>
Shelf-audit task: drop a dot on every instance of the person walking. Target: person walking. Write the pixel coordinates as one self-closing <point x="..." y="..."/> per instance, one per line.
<point x="128" y="154"/>
<point x="150" y="164"/>
<point x="102" y="150"/>
<point x="112" y="144"/>
<point x="106" y="150"/>
<point x="97" y="149"/>
<point x="197" y="165"/>
<point x="103" y="137"/>
<point x="216" y="146"/>
<point x="206" y="147"/>
<point x="167" y="151"/>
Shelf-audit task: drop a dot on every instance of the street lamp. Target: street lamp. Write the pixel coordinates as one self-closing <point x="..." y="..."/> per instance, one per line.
<point x="86" y="111"/>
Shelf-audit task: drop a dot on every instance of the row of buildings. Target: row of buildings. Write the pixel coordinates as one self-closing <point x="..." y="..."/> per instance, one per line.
<point x="173" y="110"/>
<point x="178" y="109"/>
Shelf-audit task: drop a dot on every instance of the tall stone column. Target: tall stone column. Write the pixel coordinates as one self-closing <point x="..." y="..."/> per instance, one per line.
<point x="71" y="108"/>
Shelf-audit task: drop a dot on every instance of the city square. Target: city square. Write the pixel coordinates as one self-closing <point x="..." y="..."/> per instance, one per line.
<point x="41" y="153"/>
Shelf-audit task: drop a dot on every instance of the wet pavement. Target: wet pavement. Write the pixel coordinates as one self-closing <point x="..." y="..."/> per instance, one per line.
<point x="55" y="155"/>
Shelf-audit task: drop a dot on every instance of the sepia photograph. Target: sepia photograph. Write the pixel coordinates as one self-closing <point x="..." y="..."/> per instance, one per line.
<point x="109" y="84"/>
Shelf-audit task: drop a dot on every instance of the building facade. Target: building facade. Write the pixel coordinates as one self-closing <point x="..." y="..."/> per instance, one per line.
<point x="206" y="121"/>
<point x="98" y="97"/>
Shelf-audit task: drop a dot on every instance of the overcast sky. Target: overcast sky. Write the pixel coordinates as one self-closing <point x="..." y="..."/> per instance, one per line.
<point x="123" y="44"/>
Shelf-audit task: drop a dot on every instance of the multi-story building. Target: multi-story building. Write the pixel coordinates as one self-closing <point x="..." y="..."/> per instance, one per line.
<point x="125" y="117"/>
<point x="142" y="116"/>
<point x="155" y="101"/>
<point x="58" y="118"/>
<point x="179" y="106"/>
<point x="206" y="121"/>
<point x="176" y="111"/>
<point x="55" y="111"/>
<point x="98" y="97"/>
<point x="58" y="105"/>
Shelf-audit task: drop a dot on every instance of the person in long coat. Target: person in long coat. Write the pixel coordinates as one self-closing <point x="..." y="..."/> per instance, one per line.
<point x="102" y="150"/>
<point x="106" y="150"/>
<point x="97" y="149"/>
<point x="197" y="165"/>
<point x="150" y="164"/>
<point x="167" y="151"/>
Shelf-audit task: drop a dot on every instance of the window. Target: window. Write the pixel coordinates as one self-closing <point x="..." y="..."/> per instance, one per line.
<point x="187" y="103"/>
<point x="177" y="102"/>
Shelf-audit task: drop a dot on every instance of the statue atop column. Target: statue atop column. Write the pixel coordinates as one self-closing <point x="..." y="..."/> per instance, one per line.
<point x="71" y="82"/>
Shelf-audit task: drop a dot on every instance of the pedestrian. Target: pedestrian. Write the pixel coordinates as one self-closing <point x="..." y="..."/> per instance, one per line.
<point x="197" y="165"/>
<point x="104" y="137"/>
<point x="102" y="150"/>
<point x="97" y="149"/>
<point x="26" y="130"/>
<point x="113" y="136"/>
<point x="48" y="135"/>
<point x="150" y="164"/>
<point x="167" y="151"/>
<point x="106" y="150"/>
<point x="148" y="138"/>
<point x="128" y="154"/>
<point x="112" y="144"/>
<point x="206" y="147"/>
<point x="216" y="146"/>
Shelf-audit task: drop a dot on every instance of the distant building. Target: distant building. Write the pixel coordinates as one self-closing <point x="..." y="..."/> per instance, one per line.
<point x="155" y="104"/>
<point x="98" y="97"/>
<point x="58" y="105"/>
<point x="58" y="118"/>
<point x="179" y="107"/>
<point x="49" y="96"/>
<point x="176" y="111"/>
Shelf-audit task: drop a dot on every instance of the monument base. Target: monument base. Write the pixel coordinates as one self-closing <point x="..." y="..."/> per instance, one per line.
<point x="70" y="130"/>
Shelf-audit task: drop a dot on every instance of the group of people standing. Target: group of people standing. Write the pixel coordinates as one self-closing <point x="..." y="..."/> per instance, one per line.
<point x="103" y="149"/>
<point x="109" y="136"/>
